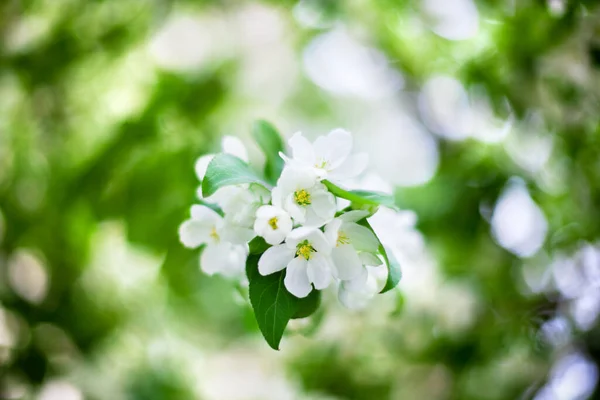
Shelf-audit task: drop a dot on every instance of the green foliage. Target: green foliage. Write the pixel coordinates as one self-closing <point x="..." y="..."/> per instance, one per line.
<point x="273" y="305"/>
<point x="362" y="197"/>
<point x="271" y="143"/>
<point x="258" y="245"/>
<point x="226" y="170"/>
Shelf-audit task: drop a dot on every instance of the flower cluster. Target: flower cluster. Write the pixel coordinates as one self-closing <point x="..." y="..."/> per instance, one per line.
<point x="306" y="234"/>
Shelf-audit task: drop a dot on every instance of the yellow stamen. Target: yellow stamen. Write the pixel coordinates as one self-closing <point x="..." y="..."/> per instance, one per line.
<point x="305" y="250"/>
<point x="214" y="234"/>
<point x="321" y="165"/>
<point x="302" y="197"/>
<point x="342" y="239"/>
<point x="273" y="223"/>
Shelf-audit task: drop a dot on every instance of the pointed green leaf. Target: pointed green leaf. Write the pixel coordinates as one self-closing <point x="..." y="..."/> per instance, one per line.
<point x="362" y="196"/>
<point x="273" y="305"/>
<point x="271" y="144"/>
<point x="225" y="170"/>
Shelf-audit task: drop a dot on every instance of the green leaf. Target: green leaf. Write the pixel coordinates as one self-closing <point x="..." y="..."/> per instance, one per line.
<point x="271" y="144"/>
<point x="362" y="196"/>
<point x="308" y="305"/>
<point x="394" y="271"/>
<point x="392" y="265"/>
<point x="258" y="245"/>
<point x="225" y="170"/>
<point x="273" y="305"/>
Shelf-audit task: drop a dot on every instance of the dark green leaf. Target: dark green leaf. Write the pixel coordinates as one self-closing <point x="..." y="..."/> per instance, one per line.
<point x="225" y="170"/>
<point x="308" y="305"/>
<point x="258" y="245"/>
<point x="273" y="305"/>
<point x="362" y="196"/>
<point x="271" y="144"/>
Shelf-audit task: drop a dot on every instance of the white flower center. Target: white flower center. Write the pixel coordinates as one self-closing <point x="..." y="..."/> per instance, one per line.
<point x="273" y="223"/>
<point x="305" y="250"/>
<point x="302" y="197"/>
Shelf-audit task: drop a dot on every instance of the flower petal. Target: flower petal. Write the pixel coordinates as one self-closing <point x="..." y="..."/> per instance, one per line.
<point x="224" y="258"/>
<point x="202" y="164"/>
<point x="333" y="148"/>
<point x="332" y="230"/>
<point x="350" y="168"/>
<point x="267" y="212"/>
<point x="277" y="197"/>
<point x="293" y="179"/>
<point x="296" y="278"/>
<point x="318" y="240"/>
<point x="357" y="299"/>
<point x="192" y="233"/>
<point x="236" y="234"/>
<point x="369" y="258"/>
<point x="319" y="270"/>
<point x="361" y="238"/>
<point x="323" y="204"/>
<point x="203" y="213"/>
<point x="297" y="212"/>
<point x="358" y="283"/>
<point x="274" y="237"/>
<point x="275" y="259"/>
<point x="298" y="235"/>
<point x="354" y="215"/>
<point x="346" y="261"/>
<point x="302" y="150"/>
<point x="234" y="146"/>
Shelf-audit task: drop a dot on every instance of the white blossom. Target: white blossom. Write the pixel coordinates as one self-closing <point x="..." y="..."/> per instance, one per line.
<point x="350" y="240"/>
<point x="356" y="293"/>
<point x="273" y="224"/>
<point x="328" y="157"/>
<point x="306" y="257"/>
<point x="306" y="200"/>
<point x="219" y="256"/>
<point x="239" y="204"/>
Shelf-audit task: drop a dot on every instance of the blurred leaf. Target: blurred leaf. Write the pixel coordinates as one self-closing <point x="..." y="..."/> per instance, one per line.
<point x="269" y="140"/>
<point x="362" y="196"/>
<point x="273" y="305"/>
<point x="226" y="170"/>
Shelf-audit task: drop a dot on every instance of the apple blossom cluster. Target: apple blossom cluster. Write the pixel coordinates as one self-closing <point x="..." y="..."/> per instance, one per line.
<point x="291" y="230"/>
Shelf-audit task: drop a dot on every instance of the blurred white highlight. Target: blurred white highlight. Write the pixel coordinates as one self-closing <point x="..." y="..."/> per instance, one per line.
<point x="187" y="42"/>
<point x="573" y="377"/>
<point x="518" y="224"/>
<point x="453" y="19"/>
<point x="400" y="149"/>
<point x="449" y="111"/>
<point x="27" y="276"/>
<point x="339" y="64"/>
<point x="59" y="390"/>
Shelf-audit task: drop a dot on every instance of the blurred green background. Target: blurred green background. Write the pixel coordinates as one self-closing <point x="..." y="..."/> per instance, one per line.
<point x="483" y="115"/>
